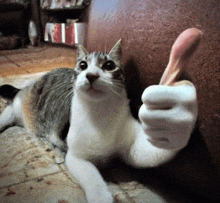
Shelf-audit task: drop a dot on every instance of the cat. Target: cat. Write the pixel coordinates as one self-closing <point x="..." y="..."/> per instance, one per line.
<point x="89" y="103"/>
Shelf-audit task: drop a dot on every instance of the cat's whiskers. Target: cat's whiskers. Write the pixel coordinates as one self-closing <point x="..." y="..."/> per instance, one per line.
<point x="111" y="87"/>
<point x="69" y="94"/>
<point x="114" y="91"/>
<point x="114" y="82"/>
<point x="107" y="83"/>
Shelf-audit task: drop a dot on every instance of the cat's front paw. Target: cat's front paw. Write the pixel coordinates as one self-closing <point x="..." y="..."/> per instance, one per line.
<point x="99" y="196"/>
<point x="168" y="114"/>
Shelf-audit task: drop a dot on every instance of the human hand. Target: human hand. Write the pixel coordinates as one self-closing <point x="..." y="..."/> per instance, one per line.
<point x="168" y="114"/>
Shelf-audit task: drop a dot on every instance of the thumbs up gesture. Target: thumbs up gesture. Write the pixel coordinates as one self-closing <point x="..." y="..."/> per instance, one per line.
<point x="169" y="110"/>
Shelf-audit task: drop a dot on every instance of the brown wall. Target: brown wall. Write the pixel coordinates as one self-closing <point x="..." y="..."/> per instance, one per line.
<point x="148" y="29"/>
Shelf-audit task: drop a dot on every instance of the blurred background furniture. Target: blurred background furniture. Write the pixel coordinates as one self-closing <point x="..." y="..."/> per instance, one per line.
<point x="14" y="19"/>
<point x="15" y="16"/>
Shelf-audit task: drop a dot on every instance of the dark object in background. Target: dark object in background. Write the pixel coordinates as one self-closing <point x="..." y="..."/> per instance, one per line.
<point x="10" y="42"/>
<point x="14" y="19"/>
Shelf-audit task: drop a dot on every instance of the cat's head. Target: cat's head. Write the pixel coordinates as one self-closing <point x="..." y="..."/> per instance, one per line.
<point x="100" y="74"/>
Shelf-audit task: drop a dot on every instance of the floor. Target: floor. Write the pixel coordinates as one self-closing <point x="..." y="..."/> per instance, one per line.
<point x="38" y="59"/>
<point x="32" y="172"/>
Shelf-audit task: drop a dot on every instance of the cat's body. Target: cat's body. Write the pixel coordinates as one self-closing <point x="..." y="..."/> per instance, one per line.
<point x="43" y="107"/>
<point x="93" y="100"/>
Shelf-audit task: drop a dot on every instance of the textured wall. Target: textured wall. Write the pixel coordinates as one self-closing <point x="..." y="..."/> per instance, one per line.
<point x="148" y="29"/>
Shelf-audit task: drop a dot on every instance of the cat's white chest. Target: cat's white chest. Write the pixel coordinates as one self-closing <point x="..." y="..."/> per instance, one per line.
<point x="97" y="132"/>
<point x="90" y="144"/>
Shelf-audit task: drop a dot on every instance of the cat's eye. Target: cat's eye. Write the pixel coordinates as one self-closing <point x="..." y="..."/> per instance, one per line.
<point x="83" y="65"/>
<point x="109" y="66"/>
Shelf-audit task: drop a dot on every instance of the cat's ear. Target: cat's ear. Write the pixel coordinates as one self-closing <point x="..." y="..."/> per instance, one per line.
<point x="81" y="52"/>
<point x="115" y="52"/>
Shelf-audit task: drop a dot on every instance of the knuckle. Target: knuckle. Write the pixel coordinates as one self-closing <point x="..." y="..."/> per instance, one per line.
<point x="185" y="119"/>
<point x="188" y="94"/>
<point x="149" y="93"/>
<point x="142" y="113"/>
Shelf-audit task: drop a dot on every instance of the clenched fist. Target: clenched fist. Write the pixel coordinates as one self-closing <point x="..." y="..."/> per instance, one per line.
<point x="168" y="114"/>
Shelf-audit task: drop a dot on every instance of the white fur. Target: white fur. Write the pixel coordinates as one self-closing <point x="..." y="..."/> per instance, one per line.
<point x="7" y="117"/>
<point x="17" y="110"/>
<point x="102" y="125"/>
<point x="12" y="114"/>
<point x="55" y="140"/>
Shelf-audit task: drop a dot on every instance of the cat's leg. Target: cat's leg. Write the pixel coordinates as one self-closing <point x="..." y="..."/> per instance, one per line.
<point x="12" y="114"/>
<point x="143" y="154"/>
<point x="56" y="141"/>
<point x="89" y="178"/>
<point x="7" y="118"/>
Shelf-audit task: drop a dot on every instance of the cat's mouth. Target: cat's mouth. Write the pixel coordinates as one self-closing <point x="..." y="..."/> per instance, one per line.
<point x="92" y="90"/>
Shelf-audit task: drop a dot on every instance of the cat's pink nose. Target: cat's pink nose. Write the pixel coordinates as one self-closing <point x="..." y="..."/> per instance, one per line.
<point x="92" y="77"/>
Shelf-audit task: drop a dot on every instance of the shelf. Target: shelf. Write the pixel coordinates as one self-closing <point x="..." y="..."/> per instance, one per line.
<point x="6" y="7"/>
<point x="57" y="10"/>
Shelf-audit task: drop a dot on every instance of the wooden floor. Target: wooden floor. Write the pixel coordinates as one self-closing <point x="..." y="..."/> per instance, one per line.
<point x="37" y="59"/>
